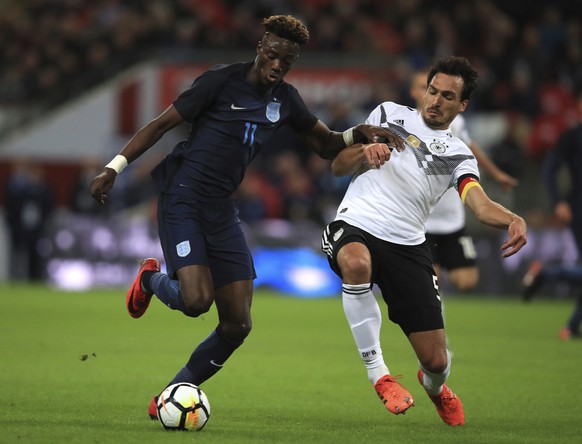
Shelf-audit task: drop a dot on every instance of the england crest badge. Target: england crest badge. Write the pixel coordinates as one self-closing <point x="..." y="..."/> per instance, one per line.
<point x="183" y="248"/>
<point x="273" y="109"/>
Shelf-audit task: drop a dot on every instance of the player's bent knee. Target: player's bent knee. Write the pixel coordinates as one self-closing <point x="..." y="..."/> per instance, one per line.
<point x="355" y="268"/>
<point x="465" y="279"/>
<point x="198" y="306"/>
<point x="435" y="368"/>
<point x="435" y="363"/>
<point x="235" y="332"/>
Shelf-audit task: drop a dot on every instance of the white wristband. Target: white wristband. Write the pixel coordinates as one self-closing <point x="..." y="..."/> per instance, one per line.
<point x="118" y="163"/>
<point x="348" y="136"/>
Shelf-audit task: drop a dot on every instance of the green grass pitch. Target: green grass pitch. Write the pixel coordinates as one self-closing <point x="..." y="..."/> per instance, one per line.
<point x="75" y="368"/>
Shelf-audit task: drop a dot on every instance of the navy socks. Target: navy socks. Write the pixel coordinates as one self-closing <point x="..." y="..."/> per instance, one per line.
<point x="167" y="290"/>
<point x="211" y="354"/>
<point x="207" y="359"/>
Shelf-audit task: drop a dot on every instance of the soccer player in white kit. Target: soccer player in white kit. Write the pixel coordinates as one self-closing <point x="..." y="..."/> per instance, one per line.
<point x="378" y="235"/>
<point x="452" y="247"/>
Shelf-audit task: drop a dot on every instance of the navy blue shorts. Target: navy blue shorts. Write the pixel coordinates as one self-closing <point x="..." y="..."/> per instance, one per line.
<point x="200" y="233"/>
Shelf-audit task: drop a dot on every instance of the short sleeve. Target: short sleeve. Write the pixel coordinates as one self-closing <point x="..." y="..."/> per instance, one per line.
<point x="300" y="118"/>
<point x="200" y="95"/>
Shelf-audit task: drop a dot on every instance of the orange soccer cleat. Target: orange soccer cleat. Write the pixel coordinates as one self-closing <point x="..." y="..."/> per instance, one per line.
<point x="566" y="334"/>
<point x="395" y="396"/>
<point x="137" y="300"/>
<point x="448" y="404"/>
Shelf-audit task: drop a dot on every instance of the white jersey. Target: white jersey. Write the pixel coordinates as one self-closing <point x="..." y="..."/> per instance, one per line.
<point x="393" y="202"/>
<point x="449" y="214"/>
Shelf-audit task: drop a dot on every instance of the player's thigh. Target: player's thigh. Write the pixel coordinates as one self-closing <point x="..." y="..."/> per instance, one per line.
<point x="348" y="252"/>
<point x="196" y="285"/>
<point x="409" y="286"/>
<point x="355" y="262"/>
<point x="180" y="229"/>
<point x="230" y="258"/>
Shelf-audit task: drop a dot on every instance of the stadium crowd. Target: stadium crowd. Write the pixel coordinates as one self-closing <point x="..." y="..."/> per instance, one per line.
<point x="529" y="60"/>
<point x="51" y="49"/>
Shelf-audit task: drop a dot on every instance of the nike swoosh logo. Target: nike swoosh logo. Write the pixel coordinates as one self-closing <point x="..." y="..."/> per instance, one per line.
<point x="234" y="107"/>
<point x="215" y="364"/>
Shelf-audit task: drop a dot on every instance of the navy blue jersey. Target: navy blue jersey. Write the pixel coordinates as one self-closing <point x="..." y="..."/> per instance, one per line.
<point x="230" y="121"/>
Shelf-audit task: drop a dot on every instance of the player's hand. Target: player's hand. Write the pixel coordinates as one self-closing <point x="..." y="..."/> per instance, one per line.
<point x="376" y="154"/>
<point x="101" y="184"/>
<point x="517" y="237"/>
<point x="506" y="181"/>
<point x="563" y="213"/>
<point x="379" y="134"/>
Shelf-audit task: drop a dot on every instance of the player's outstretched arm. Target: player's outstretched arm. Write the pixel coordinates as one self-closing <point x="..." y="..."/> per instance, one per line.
<point x="496" y="215"/>
<point x="505" y="181"/>
<point x="143" y="140"/>
<point x="358" y="156"/>
<point x="328" y="144"/>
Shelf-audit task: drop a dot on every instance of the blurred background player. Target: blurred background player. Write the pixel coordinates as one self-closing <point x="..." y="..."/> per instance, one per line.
<point x="566" y="201"/>
<point x="233" y="109"/>
<point x="452" y="247"/>
<point x="30" y="202"/>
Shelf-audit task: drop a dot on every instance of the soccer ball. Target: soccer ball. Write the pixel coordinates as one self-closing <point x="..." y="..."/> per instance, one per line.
<point x="183" y="406"/>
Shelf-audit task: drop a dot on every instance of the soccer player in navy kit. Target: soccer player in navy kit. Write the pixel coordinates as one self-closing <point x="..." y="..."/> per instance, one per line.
<point x="232" y="109"/>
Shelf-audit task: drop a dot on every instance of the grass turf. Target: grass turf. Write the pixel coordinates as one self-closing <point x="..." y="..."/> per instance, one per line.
<point x="75" y="368"/>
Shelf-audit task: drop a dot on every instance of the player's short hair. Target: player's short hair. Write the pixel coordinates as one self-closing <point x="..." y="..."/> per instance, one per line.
<point x="287" y="27"/>
<point x="456" y="66"/>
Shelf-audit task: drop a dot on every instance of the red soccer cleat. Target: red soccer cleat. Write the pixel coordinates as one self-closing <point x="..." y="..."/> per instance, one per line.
<point x="153" y="408"/>
<point x="137" y="300"/>
<point x="395" y="396"/>
<point x="566" y="334"/>
<point x="448" y="405"/>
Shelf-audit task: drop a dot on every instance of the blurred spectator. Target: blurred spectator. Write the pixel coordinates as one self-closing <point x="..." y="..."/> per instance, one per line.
<point x="29" y="204"/>
<point x="552" y="30"/>
<point x="508" y="153"/>
<point x="140" y="189"/>
<point x="520" y="95"/>
<point x="557" y="112"/>
<point x="529" y="60"/>
<point x="566" y="202"/>
<point x="257" y="198"/>
<point x="69" y="46"/>
<point x="298" y="195"/>
<point x="339" y="116"/>
<point x="81" y="200"/>
<point x="328" y="190"/>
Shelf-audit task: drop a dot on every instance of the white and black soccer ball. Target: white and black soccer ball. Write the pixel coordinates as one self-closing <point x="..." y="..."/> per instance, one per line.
<point x="183" y="406"/>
